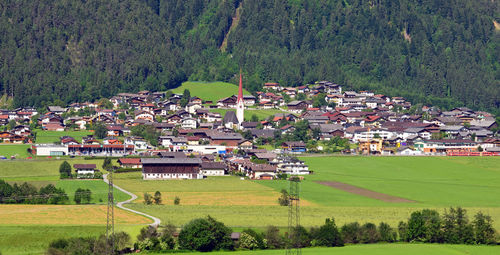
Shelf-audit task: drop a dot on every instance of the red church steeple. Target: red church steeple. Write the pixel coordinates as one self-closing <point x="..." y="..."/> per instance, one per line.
<point x="240" y="90"/>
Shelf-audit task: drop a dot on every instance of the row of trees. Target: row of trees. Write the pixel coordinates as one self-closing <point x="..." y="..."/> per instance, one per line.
<point x="90" y="245"/>
<point x="207" y="234"/>
<point x="28" y="194"/>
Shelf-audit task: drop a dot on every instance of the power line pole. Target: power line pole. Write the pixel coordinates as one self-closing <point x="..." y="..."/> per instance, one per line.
<point x="110" y="222"/>
<point x="293" y="215"/>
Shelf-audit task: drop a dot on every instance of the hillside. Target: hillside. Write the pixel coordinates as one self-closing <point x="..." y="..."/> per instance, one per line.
<point x="211" y="91"/>
<point x="443" y="53"/>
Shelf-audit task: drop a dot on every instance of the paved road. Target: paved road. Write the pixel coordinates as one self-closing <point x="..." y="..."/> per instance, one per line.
<point x="134" y="197"/>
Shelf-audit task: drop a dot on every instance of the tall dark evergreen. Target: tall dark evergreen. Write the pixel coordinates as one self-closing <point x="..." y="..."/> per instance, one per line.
<point x="445" y="53"/>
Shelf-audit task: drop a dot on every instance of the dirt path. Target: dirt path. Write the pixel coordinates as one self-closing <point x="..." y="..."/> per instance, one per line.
<point x="365" y="192"/>
<point x="133" y="197"/>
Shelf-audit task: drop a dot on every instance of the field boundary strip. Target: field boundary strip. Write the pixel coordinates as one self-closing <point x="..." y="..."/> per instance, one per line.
<point x="365" y="192"/>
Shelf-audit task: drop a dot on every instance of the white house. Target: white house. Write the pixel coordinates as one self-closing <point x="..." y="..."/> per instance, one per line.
<point x="139" y="143"/>
<point x="189" y="123"/>
<point x="213" y="168"/>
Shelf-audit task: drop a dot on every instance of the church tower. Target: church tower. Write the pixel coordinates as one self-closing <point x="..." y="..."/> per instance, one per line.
<point x="240" y="106"/>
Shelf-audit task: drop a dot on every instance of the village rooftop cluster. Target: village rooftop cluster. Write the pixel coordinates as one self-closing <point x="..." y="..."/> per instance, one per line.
<point x="186" y="138"/>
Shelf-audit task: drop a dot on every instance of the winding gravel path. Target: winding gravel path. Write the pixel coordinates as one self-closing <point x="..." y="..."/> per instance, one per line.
<point x="134" y="197"/>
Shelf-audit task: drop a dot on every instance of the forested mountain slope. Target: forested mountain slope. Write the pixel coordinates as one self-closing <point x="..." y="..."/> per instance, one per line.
<point x="445" y="53"/>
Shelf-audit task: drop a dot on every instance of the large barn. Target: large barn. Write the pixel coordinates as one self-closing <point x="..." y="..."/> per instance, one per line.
<point x="171" y="168"/>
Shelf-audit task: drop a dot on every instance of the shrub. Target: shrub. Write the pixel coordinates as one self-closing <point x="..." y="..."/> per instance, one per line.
<point x="65" y="170"/>
<point x="274" y="240"/>
<point x="386" y="233"/>
<point x="403" y="231"/>
<point x="328" y="235"/>
<point x="261" y="243"/>
<point x="484" y="233"/>
<point x="369" y="233"/>
<point x="148" y="200"/>
<point x="157" y="198"/>
<point x="300" y="237"/>
<point x="247" y="242"/>
<point x="351" y="233"/>
<point x="177" y="201"/>
<point x="456" y="227"/>
<point x="205" y="235"/>
<point x="284" y="199"/>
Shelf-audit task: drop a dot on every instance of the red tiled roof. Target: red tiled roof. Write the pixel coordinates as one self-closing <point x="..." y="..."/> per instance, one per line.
<point x="135" y="161"/>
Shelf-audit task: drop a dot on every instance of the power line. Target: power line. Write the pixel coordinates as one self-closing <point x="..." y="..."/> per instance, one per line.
<point x="110" y="220"/>
<point x="294" y="216"/>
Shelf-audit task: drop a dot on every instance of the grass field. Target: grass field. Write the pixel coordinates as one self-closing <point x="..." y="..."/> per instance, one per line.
<point x="381" y="249"/>
<point x="17" y="150"/>
<point x="37" y="170"/>
<point x="262" y="114"/>
<point x="64" y="215"/>
<point x="34" y="239"/>
<point x="433" y="182"/>
<point x="210" y="91"/>
<point x="43" y="136"/>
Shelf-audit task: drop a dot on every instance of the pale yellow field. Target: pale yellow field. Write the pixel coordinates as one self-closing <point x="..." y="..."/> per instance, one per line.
<point x="64" y="215"/>
<point x="226" y="198"/>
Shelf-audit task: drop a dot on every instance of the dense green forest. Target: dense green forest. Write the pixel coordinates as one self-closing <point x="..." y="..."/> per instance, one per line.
<point x="445" y="53"/>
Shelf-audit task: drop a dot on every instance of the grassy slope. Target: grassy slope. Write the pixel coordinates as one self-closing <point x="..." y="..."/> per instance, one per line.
<point x="262" y="114"/>
<point x="17" y="150"/>
<point x="211" y="91"/>
<point x="43" y="136"/>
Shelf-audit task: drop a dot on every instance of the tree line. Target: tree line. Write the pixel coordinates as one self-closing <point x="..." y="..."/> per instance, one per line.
<point x="26" y="193"/>
<point x="444" y="53"/>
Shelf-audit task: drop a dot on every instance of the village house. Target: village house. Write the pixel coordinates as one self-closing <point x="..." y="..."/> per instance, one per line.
<point x="171" y="168"/>
<point x="85" y="170"/>
<point x="213" y="168"/>
<point x="130" y="162"/>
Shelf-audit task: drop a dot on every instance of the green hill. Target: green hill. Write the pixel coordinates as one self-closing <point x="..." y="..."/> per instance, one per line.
<point x="445" y="53"/>
<point x="209" y="91"/>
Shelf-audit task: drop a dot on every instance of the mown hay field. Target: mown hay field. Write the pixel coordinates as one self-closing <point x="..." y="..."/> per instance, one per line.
<point x="64" y="215"/>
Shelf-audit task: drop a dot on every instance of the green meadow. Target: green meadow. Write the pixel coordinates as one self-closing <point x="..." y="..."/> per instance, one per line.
<point x="38" y="170"/>
<point x="380" y="249"/>
<point x="432" y="182"/>
<point x="20" y="151"/>
<point x="209" y="91"/>
<point x="34" y="239"/>
<point x="46" y="171"/>
<point x="262" y="114"/>
<point x="44" y="136"/>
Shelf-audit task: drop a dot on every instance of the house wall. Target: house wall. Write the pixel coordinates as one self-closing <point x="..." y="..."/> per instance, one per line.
<point x="213" y="172"/>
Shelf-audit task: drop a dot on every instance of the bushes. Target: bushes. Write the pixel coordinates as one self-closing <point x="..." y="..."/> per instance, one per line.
<point x="83" y="196"/>
<point x="328" y="235"/>
<point x="205" y="235"/>
<point x="177" y="201"/>
<point x="65" y="170"/>
<point x="88" y="245"/>
<point x="29" y="194"/>
<point x="454" y="227"/>
<point x="284" y="199"/>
